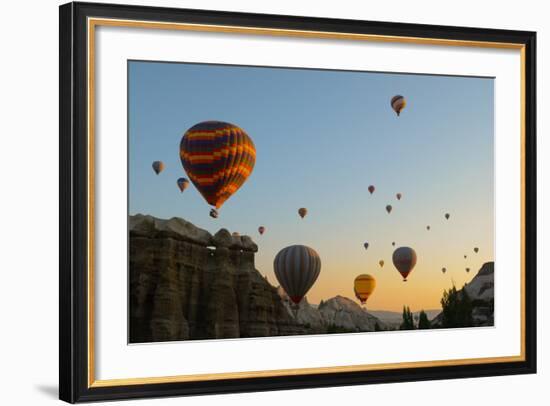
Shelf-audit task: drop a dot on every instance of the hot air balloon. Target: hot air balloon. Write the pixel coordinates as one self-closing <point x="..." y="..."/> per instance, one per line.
<point x="261" y="230"/>
<point x="371" y="189"/>
<point x="363" y="287"/>
<point x="388" y="208"/>
<point x="214" y="213"/>
<point x="158" y="166"/>
<point x="393" y="244"/>
<point x="404" y="259"/>
<point x="398" y="103"/>
<point x="366" y="245"/>
<point x="467" y="269"/>
<point x="443" y="270"/>
<point x="381" y="263"/>
<point x="447" y="215"/>
<point x="398" y="196"/>
<point x="218" y="157"/>
<point x="465" y="256"/>
<point x="428" y="228"/>
<point x="183" y="184"/>
<point x="476" y="250"/>
<point x="297" y="267"/>
<point x="302" y="211"/>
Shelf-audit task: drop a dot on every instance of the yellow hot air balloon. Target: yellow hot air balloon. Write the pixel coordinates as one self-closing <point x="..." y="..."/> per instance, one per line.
<point x="398" y="103"/>
<point x="363" y="287"/>
<point x="381" y="263"/>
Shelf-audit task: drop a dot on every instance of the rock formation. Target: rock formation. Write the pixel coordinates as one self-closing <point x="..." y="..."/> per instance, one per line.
<point x="481" y="292"/>
<point x="187" y="284"/>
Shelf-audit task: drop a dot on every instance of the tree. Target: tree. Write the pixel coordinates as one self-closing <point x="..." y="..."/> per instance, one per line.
<point x="423" y="322"/>
<point x="408" y="321"/>
<point x="457" y="308"/>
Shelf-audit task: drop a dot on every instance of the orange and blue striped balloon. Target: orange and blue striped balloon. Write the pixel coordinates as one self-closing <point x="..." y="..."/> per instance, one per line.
<point x="218" y="158"/>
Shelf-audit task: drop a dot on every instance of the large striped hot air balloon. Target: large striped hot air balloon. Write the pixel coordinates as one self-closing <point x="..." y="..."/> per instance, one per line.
<point x="218" y="158"/>
<point x="297" y="267"/>
<point x="398" y="103"/>
<point x="404" y="259"/>
<point x="363" y="286"/>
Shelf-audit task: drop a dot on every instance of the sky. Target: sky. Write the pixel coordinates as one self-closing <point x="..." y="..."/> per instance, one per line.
<point x="322" y="137"/>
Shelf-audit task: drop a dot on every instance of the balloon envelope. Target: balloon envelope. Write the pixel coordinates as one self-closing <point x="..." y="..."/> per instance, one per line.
<point x="447" y="215"/>
<point x="404" y="259"/>
<point x="371" y="189"/>
<point x="183" y="184"/>
<point x="302" y="211"/>
<point x="363" y="287"/>
<point x="218" y="158"/>
<point x="443" y="270"/>
<point x="158" y="166"/>
<point x="398" y="196"/>
<point x="297" y="267"/>
<point x="261" y="230"/>
<point x="381" y="263"/>
<point x="398" y="103"/>
<point x="366" y="245"/>
<point x="389" y="208"/>
<point x="476" y="250"/>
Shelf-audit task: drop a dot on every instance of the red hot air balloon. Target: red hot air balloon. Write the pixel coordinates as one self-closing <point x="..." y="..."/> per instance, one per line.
<point x="218" y="158"/>
<point x="371" y="189"/>
<point x="297" y="267"/>
<point x="404" y="259"/>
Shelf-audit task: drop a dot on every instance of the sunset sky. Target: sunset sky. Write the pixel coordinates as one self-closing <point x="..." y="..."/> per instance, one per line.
<point x="322" y="137"/>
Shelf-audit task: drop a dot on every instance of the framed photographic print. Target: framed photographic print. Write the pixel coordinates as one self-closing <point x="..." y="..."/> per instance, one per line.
<point x="256" y="202"/>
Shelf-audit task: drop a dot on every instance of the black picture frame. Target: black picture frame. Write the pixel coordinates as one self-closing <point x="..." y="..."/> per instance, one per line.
<point x="73" y="284"/>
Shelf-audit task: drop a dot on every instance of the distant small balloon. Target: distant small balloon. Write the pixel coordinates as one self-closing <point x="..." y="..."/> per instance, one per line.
<point x="302" y="211"/>
<point x="389" y="208"/>
<point x="398" y="103"/>
<point x="476" y="250"/>
<point x="465" y="256"/>
<point x="393" y="244"/>
<point x="443" y="270"/>
<point x="467" y="269"/>
<point x="214" y="213"/>
<point x="261" y="230"/>
<point x="381" y="263"/>
<point x="428" y="228"/>
<point x="398" y="196"/>
<point x="447" y="215"/>
<point x="371" y="189"/>
<point x="183" y="184"/>
<point x="366" y="245"/>
<point x="158" y="166"/>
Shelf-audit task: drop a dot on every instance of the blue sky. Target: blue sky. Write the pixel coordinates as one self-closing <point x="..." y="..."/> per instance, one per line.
<point x="321" y="138"/>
